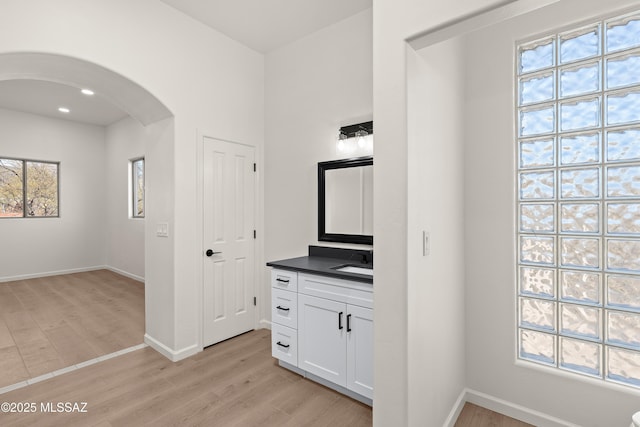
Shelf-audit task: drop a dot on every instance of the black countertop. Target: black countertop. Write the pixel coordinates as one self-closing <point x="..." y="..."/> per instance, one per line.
<point x="323" y="262"/>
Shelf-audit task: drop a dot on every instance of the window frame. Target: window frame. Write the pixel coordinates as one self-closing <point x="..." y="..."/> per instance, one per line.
<point x="25" y="187"/>
<point x="556" y="167"/>
<point x="133" y="188"/>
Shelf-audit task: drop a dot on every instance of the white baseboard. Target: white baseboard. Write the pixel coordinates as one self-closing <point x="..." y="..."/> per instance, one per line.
<point x="125" y="273"/>
<point x="264" y="324"/>
<point x="173" y="355"/>
<point x="71" y="271"/>
<point x="504" y="407"/>
<point x="455" y="411"/>
<point x="51" y="273"/>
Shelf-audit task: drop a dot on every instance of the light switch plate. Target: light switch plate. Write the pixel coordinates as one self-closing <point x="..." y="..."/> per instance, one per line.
<point x="426" y="243"/>
<point x="162" y="229"/>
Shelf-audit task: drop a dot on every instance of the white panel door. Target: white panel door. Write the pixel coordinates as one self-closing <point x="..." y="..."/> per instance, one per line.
<point x="322" y="338"/>
<point x="360" y="350"/>
<point x="228" y="241"/>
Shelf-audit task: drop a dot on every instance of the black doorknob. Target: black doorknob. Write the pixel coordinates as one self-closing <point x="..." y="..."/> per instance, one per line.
<point x="211" y="252"/>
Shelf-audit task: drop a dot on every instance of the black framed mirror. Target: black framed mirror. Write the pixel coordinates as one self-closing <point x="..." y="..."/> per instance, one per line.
<point x="345" y="201"/>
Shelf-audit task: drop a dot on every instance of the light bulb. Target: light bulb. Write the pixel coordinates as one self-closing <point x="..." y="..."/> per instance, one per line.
<point x="342" y="141"/>
<point x="360" y="135"/>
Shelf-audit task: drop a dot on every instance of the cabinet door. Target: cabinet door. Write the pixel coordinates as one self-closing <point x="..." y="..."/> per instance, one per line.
<point x="360" y="350"/>
<point x="322" y="338"/>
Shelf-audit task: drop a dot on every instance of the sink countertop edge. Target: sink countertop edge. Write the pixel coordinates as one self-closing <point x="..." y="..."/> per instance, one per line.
<point x="321" y="266"/>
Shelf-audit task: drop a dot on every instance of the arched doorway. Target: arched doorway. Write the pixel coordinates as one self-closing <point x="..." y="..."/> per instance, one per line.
<point x="144" y="108"/>
<point x="127" y="95"/>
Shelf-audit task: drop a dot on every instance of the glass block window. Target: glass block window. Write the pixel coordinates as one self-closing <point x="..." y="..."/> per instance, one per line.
<point x="578" y="214"/>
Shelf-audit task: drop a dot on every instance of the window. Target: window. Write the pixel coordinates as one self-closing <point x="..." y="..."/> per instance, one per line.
<point x="28" y="189"/>
<point x="137" y="188"/>
<point x="578" y="242"/>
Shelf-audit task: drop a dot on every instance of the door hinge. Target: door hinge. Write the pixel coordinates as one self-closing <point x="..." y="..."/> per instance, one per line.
<point x="254" y="167"/>
<point x="255" y="301"/>
<point x="254" y="234"/>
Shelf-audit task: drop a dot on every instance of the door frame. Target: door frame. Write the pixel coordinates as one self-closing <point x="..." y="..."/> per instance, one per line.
<point x="258" y="219"/>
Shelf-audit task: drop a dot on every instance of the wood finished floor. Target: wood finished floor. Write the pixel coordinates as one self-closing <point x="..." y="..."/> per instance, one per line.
<point x="54" y="322"/>
<point x="477" y="416"/>
<point x="234" y="383"/>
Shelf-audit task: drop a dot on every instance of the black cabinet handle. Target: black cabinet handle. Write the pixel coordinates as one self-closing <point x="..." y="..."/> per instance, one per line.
<point x="282" y="345"/>
<point x="348" y="322"/>
<point x="282" y="280"/>
<point x="282" y="308"/>
<point x="340" y="320"/>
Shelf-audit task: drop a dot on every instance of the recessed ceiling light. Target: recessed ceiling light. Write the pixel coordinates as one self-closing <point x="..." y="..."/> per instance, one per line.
<point x="64" y="110"/>
<point x="87" y="92"/>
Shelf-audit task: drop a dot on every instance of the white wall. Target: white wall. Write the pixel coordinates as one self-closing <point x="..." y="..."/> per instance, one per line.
<point x="206" y="80"/>
<point x="490" y="230"/>
<point x="125" y="140"/>
<point x="94" y="229"/>
<point x="436" y="327"/>
<point x="75" y="240"/>
<point x="312" y="87"/>
<point x="161" y="302"/>
<point x="394" y="22"/>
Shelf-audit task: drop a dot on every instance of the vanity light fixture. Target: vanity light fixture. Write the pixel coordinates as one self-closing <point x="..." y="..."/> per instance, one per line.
<point x="342" y="141"/>
<point x="357" y="137"/>
<point x="64" y="110"/>
<point x="360" y="134"/>
<point x="87" y="92"/>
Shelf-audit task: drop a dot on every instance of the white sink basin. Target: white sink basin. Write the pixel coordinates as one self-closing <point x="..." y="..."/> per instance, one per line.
<point x="354" y="269"/>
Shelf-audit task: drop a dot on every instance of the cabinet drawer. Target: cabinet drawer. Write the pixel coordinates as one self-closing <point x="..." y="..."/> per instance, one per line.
<point x="347" y="291"/>
<point x="284" y="307"/>
<point x="284" y="344"/>
<point x="284" y="279"/>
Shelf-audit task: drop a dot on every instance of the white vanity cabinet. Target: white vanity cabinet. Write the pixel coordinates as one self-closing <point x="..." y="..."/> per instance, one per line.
<point x="284" y="318"/>
<point x="334" y="331"/>
<point x="336" y="342"/>
<point x="323" y="338"/>
<point x="360" y="350"/>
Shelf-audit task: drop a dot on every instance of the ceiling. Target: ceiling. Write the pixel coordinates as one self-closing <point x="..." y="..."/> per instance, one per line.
<point x="265" y="25"/>
<point x="44" y="98"/>
<point x="262" y="25"/>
